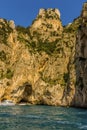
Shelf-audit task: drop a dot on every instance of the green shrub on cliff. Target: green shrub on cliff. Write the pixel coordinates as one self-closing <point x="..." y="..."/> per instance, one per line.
<point x="9" y="74"/>
<point x="23" y="30"/>
<point x="2" y="56"/>
<point x="66" y="77"/>
<point x="5" y="30"/>
<point x="48" y="47"/>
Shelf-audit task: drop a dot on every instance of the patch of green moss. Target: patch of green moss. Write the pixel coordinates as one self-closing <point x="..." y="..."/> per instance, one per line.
<point x="73" y="27"/>
<point x="2" y="55"/>
<point x="9" y="74"/>
<point x="5" y="30"/>
<point x="23" y="30"/>
<point x="48" y="47"/>
<point x="49" y="80"/>
<point x="66" y="77"/>
<point x="1" y="74"/>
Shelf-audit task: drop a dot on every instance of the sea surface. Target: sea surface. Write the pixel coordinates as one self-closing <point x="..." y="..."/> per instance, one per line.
<point x="42" y="118"/>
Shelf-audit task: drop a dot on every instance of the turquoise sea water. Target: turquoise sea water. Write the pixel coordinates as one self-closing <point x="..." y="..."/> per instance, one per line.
<point x="42" y="118"/>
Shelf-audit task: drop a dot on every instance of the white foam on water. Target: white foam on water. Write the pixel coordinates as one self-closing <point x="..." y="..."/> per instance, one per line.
<point x="83" y="127"/>
<point x="7" y="103"/>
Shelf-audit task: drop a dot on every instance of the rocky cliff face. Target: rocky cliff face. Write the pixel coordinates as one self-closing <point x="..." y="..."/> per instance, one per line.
<point x="43" y="64"/>
<point x="81" y="61"/>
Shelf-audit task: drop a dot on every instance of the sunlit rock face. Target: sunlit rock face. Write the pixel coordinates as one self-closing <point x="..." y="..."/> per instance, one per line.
<point x="84" y="12"/>
<point x="44" y="63"/>
<point x="47" y="26"/>
<point x="50" y="12"/>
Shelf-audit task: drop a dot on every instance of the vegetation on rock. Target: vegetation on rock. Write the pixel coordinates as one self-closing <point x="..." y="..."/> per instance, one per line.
<point x="38" y="63"/>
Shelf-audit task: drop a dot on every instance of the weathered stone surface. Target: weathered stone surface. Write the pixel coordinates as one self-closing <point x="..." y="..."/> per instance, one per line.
<point x="44" y="63"/>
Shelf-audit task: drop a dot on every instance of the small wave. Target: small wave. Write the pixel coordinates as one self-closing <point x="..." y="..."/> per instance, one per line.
<point x="81" y="113"/>
<point x="35" y="117"/>
<point x="84" y="127"/>
<point x="69" y="123"/>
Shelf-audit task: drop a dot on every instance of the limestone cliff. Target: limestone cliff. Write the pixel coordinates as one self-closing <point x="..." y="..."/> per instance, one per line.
<point x="81" y="61"/>
<point x="38" y="64"/>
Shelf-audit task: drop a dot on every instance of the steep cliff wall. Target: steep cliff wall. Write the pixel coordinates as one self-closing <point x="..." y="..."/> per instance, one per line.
<point x="38" y="64"/>
<point x="81" y="61"/>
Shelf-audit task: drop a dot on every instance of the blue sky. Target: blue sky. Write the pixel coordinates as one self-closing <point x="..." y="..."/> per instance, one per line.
<point x="23" y="12"/>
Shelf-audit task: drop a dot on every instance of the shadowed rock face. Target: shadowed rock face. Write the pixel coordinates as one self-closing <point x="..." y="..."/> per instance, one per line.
<point x="44" y="63"/>
<point x="80" y="98"/>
